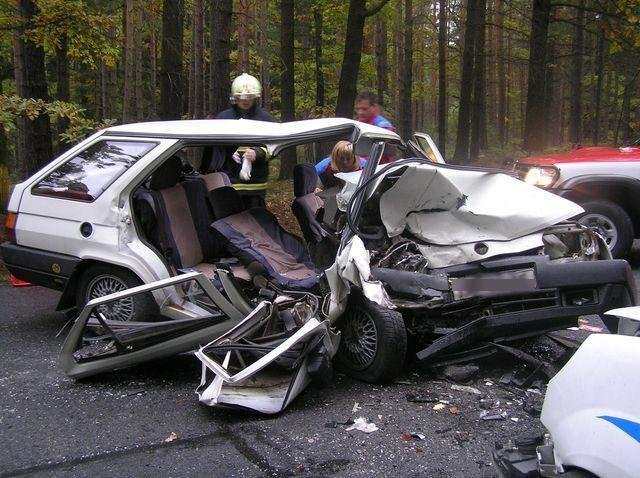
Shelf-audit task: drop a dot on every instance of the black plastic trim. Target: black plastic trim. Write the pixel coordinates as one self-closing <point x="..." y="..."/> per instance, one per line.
<point x="38" y="267"/>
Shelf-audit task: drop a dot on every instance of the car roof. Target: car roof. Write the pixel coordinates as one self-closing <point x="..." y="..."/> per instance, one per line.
<point x="256" y="131"/>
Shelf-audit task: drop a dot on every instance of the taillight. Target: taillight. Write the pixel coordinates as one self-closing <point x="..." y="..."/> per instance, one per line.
<point x="10" y="226"/>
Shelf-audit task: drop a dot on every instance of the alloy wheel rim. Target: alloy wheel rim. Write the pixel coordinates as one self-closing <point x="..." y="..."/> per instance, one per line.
<point x="102" y="285"/>
<point x="359" y="339"/>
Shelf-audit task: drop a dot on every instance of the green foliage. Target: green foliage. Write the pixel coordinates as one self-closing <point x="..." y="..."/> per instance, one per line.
<point x="12" y="107"/>
<point x="90" y="33"/>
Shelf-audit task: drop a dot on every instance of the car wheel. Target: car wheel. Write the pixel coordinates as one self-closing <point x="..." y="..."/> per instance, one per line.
<point x="611" y="222"/>
<point x="373" y="345"/>
<point x="101" y="280"/>
<point x="577" y="473"/>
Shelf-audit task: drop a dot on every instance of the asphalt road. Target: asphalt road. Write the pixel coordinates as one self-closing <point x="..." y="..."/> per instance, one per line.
<point x="116" y="424"/>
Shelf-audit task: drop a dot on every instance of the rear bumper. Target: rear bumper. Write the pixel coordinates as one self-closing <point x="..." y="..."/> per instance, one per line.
<point x="38" y="267"/>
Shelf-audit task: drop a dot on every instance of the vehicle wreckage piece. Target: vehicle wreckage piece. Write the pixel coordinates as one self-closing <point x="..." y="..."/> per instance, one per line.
<point x="439" y="245"/>
<point x="264" y="362"/>
<point x="96" y="344"/>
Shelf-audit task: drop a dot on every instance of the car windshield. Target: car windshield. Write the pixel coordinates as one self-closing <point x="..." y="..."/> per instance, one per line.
<point x="87" y="175"/>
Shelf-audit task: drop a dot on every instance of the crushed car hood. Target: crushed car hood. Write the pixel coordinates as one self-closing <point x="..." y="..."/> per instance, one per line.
<point x="443" y="205"/>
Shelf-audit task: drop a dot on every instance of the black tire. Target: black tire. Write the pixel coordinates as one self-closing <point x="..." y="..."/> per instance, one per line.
<point x="373" y="345"/>
<point x="100" y="280"/>
<point x="612" y="222"/>
<point x="577" y="473"/>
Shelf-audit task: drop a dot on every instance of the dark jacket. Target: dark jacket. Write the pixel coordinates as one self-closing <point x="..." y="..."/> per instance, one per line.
<point x="253" y="113"/>
<point x="260" y="168"/>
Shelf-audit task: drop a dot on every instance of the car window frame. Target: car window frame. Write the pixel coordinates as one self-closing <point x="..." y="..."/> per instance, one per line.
<point x="103" y="187"/>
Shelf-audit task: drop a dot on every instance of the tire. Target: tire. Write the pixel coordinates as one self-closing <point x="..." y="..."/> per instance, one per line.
<point x="101" y="280"/>
<point x="577" y="473"/>
<point x="373" y="345"/>
<point x="612" y="222"/>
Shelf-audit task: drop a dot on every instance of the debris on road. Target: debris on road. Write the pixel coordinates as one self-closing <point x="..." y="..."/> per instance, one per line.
<point x="407" y="437"/>
<point x="465" y="388"/>
<point x="363" y="425"/>
<point x="173" y="436"/>
<point x="489" y="415"/>
<point x="439" y="406"/>
<point x="460" y="373"/>
<point x="334" y="424"/>
<point x="422" y="397"/>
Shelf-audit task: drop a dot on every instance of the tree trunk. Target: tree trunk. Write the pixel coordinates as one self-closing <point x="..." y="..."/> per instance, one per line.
<point x="406" y="79"/>
<point x="139" y="66"/>
<point x="351" y="59"/>
<point x="553" y="96"/>
<point x="153" y="81"/>
<point x="500" y="71"/>
<point x="508" y="103"/>
<point x="598" y="87"/>
<point x="615" y="123"/>
<point x="62" y="91"/>
<point x="461" y="154"/>
<point x="198" y="54"/>
<point x="128" y="61"/>
<point x="352" y="53"/>
<point x="630" y="81"/>
<point x="4" y="150"/>
<point x="191" y="84"/>
<point x="317" y="27"/>
<point x="479" y="110"/>
<point x="31" y="82"/>
<point x="220" y="51"/>
<point x="382" y="60"/>
<point x="287" y="18"/>
<point x="243" y="37"/>
<point x="171" y="74"/>
<point x="534" y="129"/>
<point x="575" y="125"/>
<point x="264" y="55"/>
<point x="442" y="77"/>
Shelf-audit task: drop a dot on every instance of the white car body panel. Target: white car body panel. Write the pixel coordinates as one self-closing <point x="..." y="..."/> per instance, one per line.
<point x="596" y="389"/>
<point x="570" y="171"/>
<point x="449" y="206"/>
<point x="453" y="209"/>
<point x="52" y="223"/>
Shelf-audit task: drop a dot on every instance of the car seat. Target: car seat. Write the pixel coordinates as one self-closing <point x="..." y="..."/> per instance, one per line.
<point x="255" y="236"/>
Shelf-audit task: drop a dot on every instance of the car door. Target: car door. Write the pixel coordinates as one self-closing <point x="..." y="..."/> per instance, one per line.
<point x="427" y="146"/>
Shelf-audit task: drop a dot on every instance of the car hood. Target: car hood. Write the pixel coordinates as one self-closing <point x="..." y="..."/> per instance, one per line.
<point x="588" y="154"/>
<point x="451" y="205"/>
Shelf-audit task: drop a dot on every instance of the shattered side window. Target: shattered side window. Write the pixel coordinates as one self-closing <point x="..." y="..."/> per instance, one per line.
<point x="85" y="176"/>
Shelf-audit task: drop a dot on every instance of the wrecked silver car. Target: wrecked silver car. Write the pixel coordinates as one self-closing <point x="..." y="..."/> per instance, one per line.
<point x="458" y="259"/>
<point x="413" y="256"/>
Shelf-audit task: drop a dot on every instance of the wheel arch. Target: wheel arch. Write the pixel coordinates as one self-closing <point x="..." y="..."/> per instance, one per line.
<point x="622" y="191"/>
<point x="68" y="297"/>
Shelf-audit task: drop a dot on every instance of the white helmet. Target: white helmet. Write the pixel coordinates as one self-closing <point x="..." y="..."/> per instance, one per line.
<point x="245" y="87"/>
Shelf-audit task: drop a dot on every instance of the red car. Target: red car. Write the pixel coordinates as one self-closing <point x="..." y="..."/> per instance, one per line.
<point x="605" y="181"/>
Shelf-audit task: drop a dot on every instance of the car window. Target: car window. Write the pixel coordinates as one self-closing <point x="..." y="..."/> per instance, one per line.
<point x="85" y="176"/>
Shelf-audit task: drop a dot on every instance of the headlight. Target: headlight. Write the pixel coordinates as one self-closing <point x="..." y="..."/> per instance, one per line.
<point x="541" y="176"/>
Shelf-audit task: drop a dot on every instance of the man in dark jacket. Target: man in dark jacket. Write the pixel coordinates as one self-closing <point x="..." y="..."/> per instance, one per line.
<point x="247" y="167"/>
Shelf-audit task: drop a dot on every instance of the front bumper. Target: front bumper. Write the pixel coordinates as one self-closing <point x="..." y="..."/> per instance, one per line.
<point x="561" y="292"/>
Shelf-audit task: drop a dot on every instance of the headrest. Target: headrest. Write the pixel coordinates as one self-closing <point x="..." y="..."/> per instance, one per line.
<point x="305" y="179"/>
<point x="167" y="175"/>
<point x="225" y="201"/>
